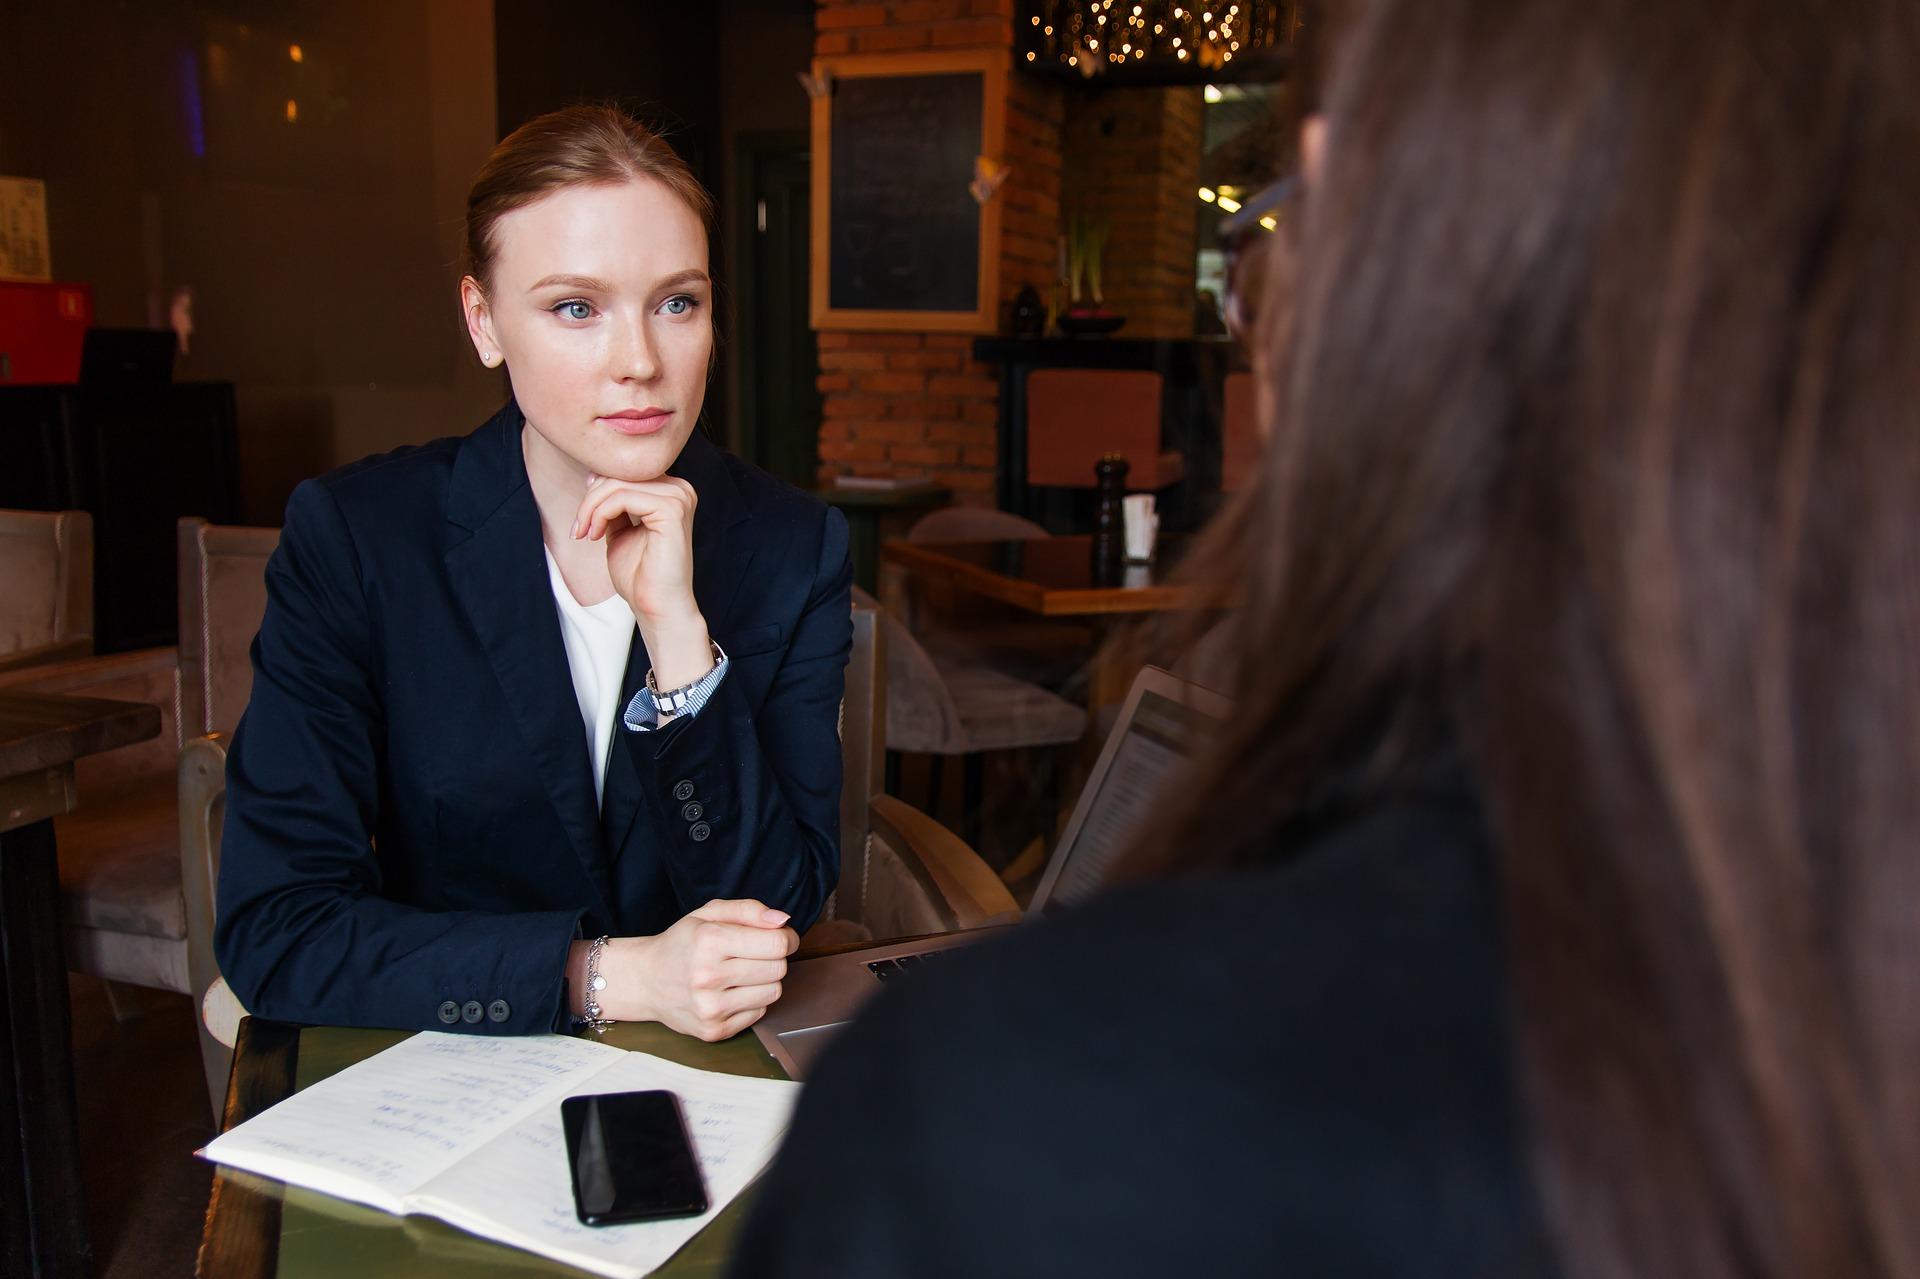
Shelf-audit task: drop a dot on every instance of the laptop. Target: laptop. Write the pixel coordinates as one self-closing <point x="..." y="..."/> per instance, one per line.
<point x="1160" y="723"/>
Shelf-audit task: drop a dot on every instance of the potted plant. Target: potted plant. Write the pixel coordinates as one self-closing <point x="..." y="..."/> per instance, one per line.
<point x="1086" y="246"/>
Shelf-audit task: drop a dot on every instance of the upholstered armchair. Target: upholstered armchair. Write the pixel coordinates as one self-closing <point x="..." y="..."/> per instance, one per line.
<point x="46" y="587"/>
<point x="135" y="883"/>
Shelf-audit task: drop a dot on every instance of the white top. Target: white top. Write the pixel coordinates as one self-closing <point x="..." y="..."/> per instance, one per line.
<point x="598" y="639"/>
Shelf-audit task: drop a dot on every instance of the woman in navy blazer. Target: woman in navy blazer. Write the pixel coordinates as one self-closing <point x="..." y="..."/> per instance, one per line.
<point x="412" y="837"/>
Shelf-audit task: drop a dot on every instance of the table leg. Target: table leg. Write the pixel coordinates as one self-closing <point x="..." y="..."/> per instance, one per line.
<point x="241" y="1239"/>
<point x="1117" y="658"/>
<point x="44" y="1215"/>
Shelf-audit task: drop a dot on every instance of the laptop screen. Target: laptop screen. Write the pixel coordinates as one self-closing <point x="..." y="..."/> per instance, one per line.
<point x="1157" y="740"/>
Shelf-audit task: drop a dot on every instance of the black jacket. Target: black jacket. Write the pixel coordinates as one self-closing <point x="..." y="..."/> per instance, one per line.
<point x="411" y="819"/>
<point x="1301" y="1072"/>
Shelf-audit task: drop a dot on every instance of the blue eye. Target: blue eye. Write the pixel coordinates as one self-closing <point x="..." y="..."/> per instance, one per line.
<point x="680" y="304"/>
<point x="574" y="309"/>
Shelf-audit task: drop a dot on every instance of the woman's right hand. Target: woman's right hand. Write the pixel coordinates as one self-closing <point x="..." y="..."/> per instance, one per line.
<point x="711" y="975"/>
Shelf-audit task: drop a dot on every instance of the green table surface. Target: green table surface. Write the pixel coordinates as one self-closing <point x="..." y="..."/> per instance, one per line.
<point x="323" y="1236"/>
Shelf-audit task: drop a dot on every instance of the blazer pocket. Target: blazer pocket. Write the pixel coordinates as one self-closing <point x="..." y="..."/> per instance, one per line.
<point x="754" y="639"/>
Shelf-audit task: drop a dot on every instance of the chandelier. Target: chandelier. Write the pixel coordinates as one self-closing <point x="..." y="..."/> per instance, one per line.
<point x="1161" y="40"/>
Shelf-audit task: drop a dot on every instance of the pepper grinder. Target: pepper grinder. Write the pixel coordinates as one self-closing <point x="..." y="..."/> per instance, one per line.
<point x="1109" y="518"/>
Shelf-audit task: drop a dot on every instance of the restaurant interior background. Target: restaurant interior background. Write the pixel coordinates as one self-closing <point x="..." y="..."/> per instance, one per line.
<point x="301" y="169"/>
<point x="282" y="183"/>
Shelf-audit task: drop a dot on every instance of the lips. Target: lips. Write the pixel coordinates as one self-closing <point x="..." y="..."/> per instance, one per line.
<point x="637" y="421"/>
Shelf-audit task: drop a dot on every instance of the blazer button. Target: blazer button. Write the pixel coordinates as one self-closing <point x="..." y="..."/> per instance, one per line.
<point x="700" y="832"/>
<point x="471" y="1012"/>
<point x="498" y="1010"/>
<point x="449" y="1012"/>
<point x="683" y="791"/>
<point x="692" y="812"/>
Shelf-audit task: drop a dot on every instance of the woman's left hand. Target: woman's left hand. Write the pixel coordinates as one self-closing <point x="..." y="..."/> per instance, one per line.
<point x="648" y="528"/>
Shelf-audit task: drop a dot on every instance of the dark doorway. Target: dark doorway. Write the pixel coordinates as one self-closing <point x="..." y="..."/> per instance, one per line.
<point x="779" y="404"/>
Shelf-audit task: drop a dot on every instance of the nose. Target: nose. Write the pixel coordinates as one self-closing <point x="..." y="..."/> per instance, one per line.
<point x="633" y="355"/>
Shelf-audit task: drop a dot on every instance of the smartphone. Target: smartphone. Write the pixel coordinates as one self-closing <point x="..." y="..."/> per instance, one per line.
<point x="631" y="1158"/>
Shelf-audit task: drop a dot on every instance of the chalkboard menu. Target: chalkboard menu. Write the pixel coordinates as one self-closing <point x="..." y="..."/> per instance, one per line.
<point x="899" y="240"/>
<point x="905" y="232"/>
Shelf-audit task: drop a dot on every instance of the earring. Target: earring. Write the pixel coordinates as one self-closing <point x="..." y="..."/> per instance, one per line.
<point x="489" y="359"/>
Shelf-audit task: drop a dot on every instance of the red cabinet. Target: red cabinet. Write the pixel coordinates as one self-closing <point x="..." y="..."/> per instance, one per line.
<point x="41" y="328"/>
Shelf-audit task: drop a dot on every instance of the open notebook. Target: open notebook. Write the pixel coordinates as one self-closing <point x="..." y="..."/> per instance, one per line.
<point x="467" y="1129"/>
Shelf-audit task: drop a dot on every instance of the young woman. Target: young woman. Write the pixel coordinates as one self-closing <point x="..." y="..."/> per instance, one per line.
<point x="544" y="719"/>
<point x="1578" y="724"/>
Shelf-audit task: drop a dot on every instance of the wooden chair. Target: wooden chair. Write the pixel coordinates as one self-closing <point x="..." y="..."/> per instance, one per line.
<point x="46" y="587"/>
<point x="1075" y="416"/>
<point x="941" y="706"/>
<point x="901" y="872"/>
<point x="223" y="596"/>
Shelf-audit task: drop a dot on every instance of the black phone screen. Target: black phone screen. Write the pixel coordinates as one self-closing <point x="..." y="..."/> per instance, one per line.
<point x="631" y="1158"/>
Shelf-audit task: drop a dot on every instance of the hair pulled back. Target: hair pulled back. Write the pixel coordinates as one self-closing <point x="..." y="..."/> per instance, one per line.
<point x="575" y="146"/>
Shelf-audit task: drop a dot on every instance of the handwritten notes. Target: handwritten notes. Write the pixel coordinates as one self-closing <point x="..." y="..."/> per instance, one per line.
<point x="468" y="1130"/>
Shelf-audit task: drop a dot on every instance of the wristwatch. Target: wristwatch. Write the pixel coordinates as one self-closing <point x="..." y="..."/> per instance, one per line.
<point x="676" y="701"/>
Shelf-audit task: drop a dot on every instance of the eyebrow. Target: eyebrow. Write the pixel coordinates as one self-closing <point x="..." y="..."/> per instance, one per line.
<point x="592" y="285"/>
<point x="572" y="282"/>
<point x="692" y="275"/>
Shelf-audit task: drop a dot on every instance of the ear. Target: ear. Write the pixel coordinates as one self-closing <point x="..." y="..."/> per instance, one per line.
<point x="473" y="306"/>
<point x="1313" y="146"/>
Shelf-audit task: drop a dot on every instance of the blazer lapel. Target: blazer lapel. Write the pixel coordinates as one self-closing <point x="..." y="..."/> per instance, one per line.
<point x="722" y="553"/>
<point x="499" y="573"/>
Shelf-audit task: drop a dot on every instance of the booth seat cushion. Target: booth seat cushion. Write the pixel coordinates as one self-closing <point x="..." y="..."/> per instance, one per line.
<point x="1049" y="653"/>
<point x="153" y="962"/>
<point x="32" y="589"/>
<point x="120" y="861"/>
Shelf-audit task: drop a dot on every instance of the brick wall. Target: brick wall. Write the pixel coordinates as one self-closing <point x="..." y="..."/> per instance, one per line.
<point x="902" y="403"/>
<point x="1132" y="156"/>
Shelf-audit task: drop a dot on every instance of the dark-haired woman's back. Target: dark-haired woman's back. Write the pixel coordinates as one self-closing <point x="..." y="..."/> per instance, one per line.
<point x="1305" y="1071"/>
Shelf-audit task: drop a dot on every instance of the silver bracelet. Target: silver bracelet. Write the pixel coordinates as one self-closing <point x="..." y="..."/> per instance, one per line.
<point x="595" y="984"/>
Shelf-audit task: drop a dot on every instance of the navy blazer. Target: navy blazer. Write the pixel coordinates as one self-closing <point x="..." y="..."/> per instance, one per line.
<point x="411" y="834"/>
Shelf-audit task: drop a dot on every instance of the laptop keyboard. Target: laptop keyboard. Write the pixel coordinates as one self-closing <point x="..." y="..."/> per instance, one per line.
<point x="888" y="969"/>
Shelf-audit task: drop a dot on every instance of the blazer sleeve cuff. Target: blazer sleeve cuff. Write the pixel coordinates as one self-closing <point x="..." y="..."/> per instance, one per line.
<point x="643" y="717"/>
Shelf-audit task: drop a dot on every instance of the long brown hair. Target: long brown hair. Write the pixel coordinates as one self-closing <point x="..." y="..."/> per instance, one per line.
<point x="1597" y="444"/>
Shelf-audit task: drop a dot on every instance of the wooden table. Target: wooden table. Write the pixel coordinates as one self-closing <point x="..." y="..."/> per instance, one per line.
<point x="1049" y="576"/>
<point x="1055" y="577"/>
<point x="259" y="1228"/>
<point x="43" y="1231"/>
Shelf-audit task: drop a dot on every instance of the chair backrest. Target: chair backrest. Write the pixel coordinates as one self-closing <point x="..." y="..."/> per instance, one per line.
<point x="973" y="524"/>
<point x="46" y="584"/>
<point x="223" y="595"/>
<point x="921" y="714"/>
<point x="900" y="873"/>
<point x="1076" y="415"/>
<point x="863" y="747"/>
<point x="1240" y="443"/>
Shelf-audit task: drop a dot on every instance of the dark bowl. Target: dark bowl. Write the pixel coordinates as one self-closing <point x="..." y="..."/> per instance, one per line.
<point x="1086" y="326"/>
